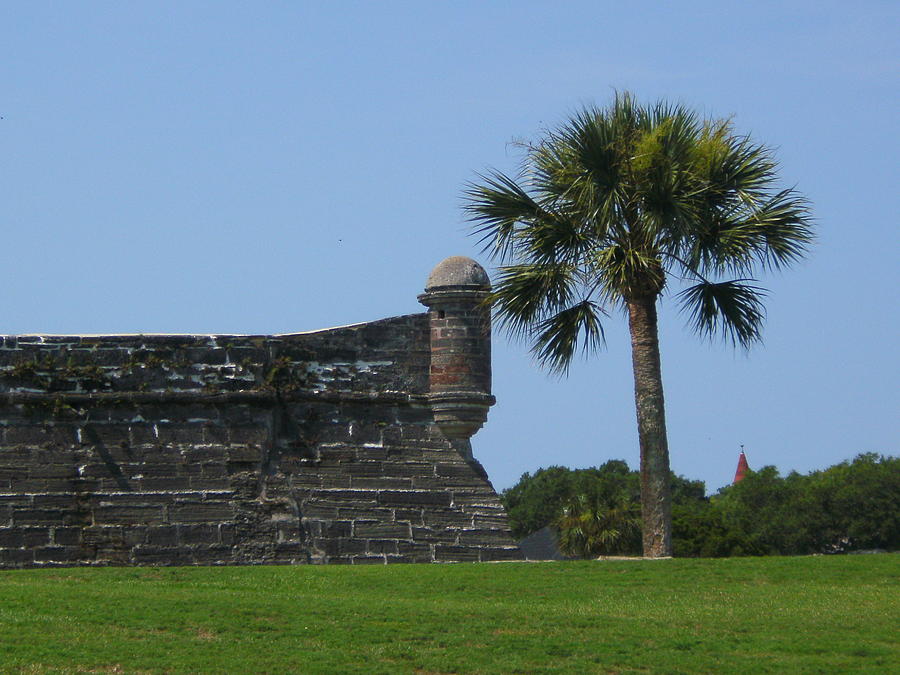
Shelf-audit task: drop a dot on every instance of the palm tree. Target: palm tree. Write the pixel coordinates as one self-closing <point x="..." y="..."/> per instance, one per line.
<point x="609" y="208"/>
<point x="591" y="528"/>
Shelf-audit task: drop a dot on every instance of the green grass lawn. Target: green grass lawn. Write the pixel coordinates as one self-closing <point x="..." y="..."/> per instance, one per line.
<point x="778" y="615"/>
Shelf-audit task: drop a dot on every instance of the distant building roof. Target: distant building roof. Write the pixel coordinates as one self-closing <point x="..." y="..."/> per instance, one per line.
<point x="742" y="469"/>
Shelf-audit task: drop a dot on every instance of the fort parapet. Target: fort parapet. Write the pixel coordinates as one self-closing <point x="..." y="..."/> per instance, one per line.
<point x="346" y="445"/>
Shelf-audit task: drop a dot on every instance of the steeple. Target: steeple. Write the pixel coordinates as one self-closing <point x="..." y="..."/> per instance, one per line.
<point x="742" y="468"/>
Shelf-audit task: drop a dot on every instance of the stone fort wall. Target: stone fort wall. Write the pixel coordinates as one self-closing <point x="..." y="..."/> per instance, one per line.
<point x="348" y="445"/>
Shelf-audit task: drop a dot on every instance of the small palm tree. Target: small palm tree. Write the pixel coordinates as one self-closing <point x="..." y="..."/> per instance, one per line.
<point x="588" y="529"/>
<point x="609" y="209"/>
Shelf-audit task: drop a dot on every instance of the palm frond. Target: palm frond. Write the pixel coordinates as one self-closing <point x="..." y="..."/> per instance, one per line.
<point x="593" y="143"/>
<point x="730" y="309"/>
<point x="730" y="165"/>
<point x="774" y="234"/>
<point x="526" y="294"/>
<point x="497" y="206"/>
<point x="553" y="238"/>
<point x="557" y="337"/>
<point x="576" y="173"/>
<point x="784" y="226"/>
<point x="726" y="242"/>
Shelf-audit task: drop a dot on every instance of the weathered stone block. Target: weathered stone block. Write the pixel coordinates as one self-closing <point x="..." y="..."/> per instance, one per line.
<point x="126" y="514"/>
<point x="443" y="483"/>
<point x="352" y="546"/>
<point x="211" y="554"/>
<point x="366" y="513"/>
<point x="491" y="522"/>
<point x="363" y="469"/>
<point x="409" y="515"/>
<point x="24" y="436"/>
<point x="52" y="471"/>
<point x="415" y="551"/>
<point x="36" y="536"/>
<point x="134" y="535"/>
<point x="348" y="496"/>
<point x="195" y="483"/>
<point x="336" y="528"/>
<point x="11" y="472"/>
<point x="164" y="535"/>
<point x="329" y="548"/>
<point x="242" y="467"/>
<point x="11" y="537"/>
<point x="16" y="501"/>
<point x="406" y="497"/>
<point x="212" y="470"/>
<point x="381" y="546"/>
<point x="294" y="551"/>
<point x="372" y="452"/>
<point x="483" y="537"/>
<point x="58" y="554"/>
<point x="66" y="536"/>
<point x="491" y="510"/>
<point x="446" y="519"/>
<point x="173" y="483"/>
<point x="227" y="533"/>
<point x="467" y="497"/>
<point x="201" y="512"/>
<point x="15" y="557"/>
<point x="336" y="480"/>
<point x="381" y="530"/>
<point x="244" y="453"/>
<point x="103" y="536"/>
<point x="443" y="535"/>
<point x="137" y="498"/>
<point x="148" y="470"/>
<point x="448" y="553"/>
<point x="198" y="534"/>
<point x="407" y="467"/>
<point x="382" y="483"/>
<point x="40" y="516"/>
<point x="319" y="509"/>
<point x="154" y="555"/>
<point x="247" y="435"/>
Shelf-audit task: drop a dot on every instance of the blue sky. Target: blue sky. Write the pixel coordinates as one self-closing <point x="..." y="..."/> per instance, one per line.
<point x="217" y="167"/>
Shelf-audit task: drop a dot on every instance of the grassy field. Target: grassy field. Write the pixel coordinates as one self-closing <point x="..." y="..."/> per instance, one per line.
<point x="778" y="615"/>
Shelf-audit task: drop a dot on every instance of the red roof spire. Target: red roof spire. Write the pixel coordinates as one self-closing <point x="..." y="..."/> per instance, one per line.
<point x="742" y="468"/>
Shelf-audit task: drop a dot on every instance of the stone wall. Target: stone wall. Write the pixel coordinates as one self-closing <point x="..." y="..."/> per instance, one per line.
<point x="316" y="447"/>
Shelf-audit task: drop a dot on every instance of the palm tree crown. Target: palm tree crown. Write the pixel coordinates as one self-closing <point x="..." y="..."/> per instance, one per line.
<point x="588" y="528"/>
<point x="608" y="209"/>
<point x="614" y="204"/>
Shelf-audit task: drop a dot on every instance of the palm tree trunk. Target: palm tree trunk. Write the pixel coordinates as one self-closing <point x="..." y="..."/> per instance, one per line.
<point x="656" y="497"/>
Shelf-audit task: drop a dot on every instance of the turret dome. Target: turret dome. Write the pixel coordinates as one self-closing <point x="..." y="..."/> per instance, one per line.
<point x="458" y="271"/>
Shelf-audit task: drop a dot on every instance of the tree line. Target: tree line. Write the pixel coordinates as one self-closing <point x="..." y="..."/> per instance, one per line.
<point x="854" y="505"/>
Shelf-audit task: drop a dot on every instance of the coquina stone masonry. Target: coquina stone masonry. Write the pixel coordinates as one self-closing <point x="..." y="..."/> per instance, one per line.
<point x="347" y="445"/>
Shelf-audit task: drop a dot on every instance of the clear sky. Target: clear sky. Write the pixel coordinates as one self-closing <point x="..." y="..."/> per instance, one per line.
<point x="224" y="167"/>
